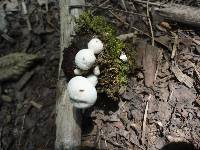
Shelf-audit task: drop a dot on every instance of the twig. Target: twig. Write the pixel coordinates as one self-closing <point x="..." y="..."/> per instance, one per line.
<point x="196" y="70"/>
<point x="150" y="3"/>
<point x="145" y="120"/>
<point x="140" y="31"/>
<point x="158" y="64"/>
<point x="174" y="49"/>
<point x="150" y="24"/>
<point x="194" y="40"/>
<point x="1" y="129"/>
<point x="113" y="143"/>
<point x="137" y="145"/>
<point x="124" y="37"/>
<point x="24" y="8"/>
<point x="35" y="104"/>
<point x="124" y="5"/>
<point x="25" y="12"/>
<point x="22" y="128"/>
<point x="46" y="5"/>
<point x="171" y="93"/>
<point x="8" y="38"/>
<point x="106" y="8"/>
<point x="102" y="4"/>
<point x="116" y="16"/>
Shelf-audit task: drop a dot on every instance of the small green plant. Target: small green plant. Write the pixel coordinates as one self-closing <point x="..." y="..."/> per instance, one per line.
<point x="113" y="70"/>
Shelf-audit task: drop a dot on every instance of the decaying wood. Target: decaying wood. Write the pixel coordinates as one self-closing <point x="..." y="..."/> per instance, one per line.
<point x="179" y="13"/>
<point x="68" y="129"/>
<point x="147" y="56"/>
<point x="183" y="78"/>
<point x="174" y="48"/>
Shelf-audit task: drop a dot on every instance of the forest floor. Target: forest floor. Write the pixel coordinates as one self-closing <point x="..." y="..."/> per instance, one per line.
<point x="160" y="104"/>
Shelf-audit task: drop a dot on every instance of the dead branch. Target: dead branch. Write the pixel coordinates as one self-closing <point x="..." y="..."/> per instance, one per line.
<point x="179" y="13"/>
<point x="68" y="119"/>
<point x="175" y="12"/>
<point x="150" y="24"/>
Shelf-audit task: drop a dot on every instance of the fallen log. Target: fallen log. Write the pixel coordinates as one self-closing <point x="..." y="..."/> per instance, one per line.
<point x="174" y="12"/>
<point x="68" y="118"/>
<point x="179" y="13"/>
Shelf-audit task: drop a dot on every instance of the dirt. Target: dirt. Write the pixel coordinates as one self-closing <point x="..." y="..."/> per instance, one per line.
<point x="27" y="104"/>
<point x="157" y="106"/>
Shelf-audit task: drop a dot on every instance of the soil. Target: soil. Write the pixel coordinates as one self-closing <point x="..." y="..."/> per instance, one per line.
<point x="160" y="104"/>
<point x="27" y="116"/>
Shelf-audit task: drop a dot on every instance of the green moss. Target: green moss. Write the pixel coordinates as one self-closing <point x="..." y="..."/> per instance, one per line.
<point x="113" y="70"/>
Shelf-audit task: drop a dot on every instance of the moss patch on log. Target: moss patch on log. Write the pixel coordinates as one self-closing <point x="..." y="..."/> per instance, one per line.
<point x="113" y="71"/>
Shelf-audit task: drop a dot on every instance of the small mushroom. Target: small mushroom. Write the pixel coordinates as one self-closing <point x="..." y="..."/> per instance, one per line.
<point x="85" y="59"/>
<point x="78" y="72"/>
<point x="81" y="92"/>
<point x="95" y="45"/>
<point x="96" y="71"/>
<point x="93" y="79"/>
<point x="123" y="57"/>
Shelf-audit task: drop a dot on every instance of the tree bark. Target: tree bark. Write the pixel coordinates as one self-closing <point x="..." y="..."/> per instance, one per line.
<point x="179" y="13"/>
<point x="68" y="118"/>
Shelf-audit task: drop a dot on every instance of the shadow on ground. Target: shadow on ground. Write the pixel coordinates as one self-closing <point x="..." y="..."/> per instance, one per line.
<point x="179" y="146"/>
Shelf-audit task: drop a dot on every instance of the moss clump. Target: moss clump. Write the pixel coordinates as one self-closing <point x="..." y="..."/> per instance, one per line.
<point x="113" y="70"/>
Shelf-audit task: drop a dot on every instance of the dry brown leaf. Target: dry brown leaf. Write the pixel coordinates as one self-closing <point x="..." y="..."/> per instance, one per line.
<point x="12" y="66"/>
<point x="183" y="78"/>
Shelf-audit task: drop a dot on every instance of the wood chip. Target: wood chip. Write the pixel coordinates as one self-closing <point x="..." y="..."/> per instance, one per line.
<point x="145" y="120"/>
<point x="175" y="45"/>
<point x="36" y="105"/>
<point x="22" y="82"/>
<point x="124" y="37"/>
<point x="6" y="98"/>
<point x="183" y="78"/>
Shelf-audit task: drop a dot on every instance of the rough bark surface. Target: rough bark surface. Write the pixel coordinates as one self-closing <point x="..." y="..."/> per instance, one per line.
<point x="180" y="13"/>
<point x="68" y="119"/>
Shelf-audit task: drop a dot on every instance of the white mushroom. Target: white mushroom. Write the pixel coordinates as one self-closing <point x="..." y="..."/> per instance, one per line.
<point x="77" y="71"/>
<point x="95" y="45"/>
<point x="96" y="71"/>
<point x="123" y="57"/>
<point x="85" y="59"/>
<point x="81" y="92"/>
<point x="93" y="79"/>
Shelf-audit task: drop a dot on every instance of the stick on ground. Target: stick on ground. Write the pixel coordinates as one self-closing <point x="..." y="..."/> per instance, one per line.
<point x="68" y="118"/>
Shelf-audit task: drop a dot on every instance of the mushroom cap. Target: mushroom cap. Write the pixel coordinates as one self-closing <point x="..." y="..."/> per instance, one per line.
<point x="77" y="71"/>
<point x="123" y="57"/>
<point x="81" y="92"/>
<point x="96" y="71"/>
<point x="93" y="79"/>
<point x="85" y="59"/>
<point x="95" y="45"/>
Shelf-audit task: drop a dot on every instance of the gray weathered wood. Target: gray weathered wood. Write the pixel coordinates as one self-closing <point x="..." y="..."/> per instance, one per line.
<point x="180" y="13"/>
<point x="68" y="118"/>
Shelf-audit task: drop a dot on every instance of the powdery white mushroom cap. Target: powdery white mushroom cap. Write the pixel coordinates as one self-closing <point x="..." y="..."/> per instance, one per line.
<point x="85" y="59"/>
<point x="81" y="92"/>
<point x="96" y="71"/>
<point x="77" y="71"/>
<point x="96" y="45"/>
<point x="93" y="79"/>
<point x="123" y="57"/>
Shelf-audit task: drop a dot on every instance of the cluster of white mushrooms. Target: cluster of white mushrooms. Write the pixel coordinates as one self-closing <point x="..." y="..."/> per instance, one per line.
<point x="82" y="91"/>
